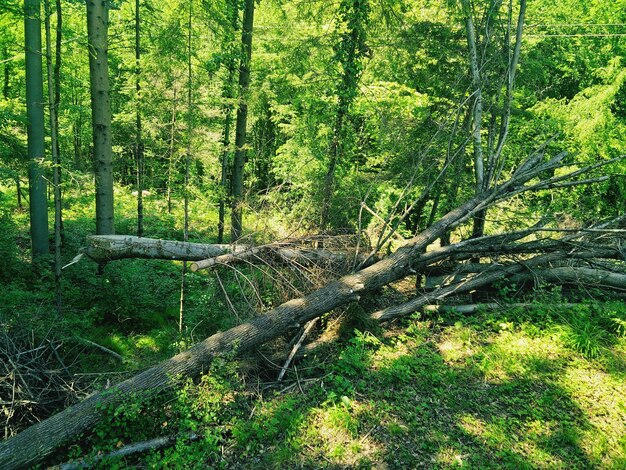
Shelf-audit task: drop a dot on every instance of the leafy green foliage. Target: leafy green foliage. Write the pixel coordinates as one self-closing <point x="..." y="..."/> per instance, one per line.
<point x="8" y="248"/>
<point x="518" y="388"/>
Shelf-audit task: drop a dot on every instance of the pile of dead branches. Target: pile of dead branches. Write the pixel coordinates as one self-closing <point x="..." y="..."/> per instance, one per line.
<point x="34" y="381"/>
<point x="592" y="255"/>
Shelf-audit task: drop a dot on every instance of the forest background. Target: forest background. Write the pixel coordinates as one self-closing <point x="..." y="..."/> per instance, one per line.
<point x="348" y="125"/>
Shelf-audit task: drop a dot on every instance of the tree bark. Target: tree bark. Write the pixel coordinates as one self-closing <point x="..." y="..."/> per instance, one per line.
<point x="139" y="153"/>
<point x="54" y="136"/>
<point x="301" y="256"/>
<point x="170" y="164"/>
<point x="227" y="93"/>
<point x="57" y="103"/>
<point x="105" y="248"/>
<point x="241" y="124"/>
<point x="97" y="30"/>
<point x="589" y="277"/>
<point x="35" y="129"/>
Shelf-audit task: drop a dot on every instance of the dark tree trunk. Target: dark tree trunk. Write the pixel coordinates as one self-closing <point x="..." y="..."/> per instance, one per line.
<point x="227" y="93"/>
<point x="18" y="188"/>
<point x="139" y="153"/>
<point x="57" y="102"/>
<point x="36" y="132"/>
<point x="242" y="121"/>
<point x="54" y="135"/>
<point x="170" y="165"/>
<point x="7" y="73"/>
<point x="349" y="53"/>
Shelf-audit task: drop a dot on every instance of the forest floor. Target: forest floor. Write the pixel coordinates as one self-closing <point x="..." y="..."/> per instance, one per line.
<point x="536" y="387"/>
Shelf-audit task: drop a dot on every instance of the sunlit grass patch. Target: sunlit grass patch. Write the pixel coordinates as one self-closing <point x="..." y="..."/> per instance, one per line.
<point x="458" y="342"/>
<point x="513" y="353"/>
<point x="602" y="397"/>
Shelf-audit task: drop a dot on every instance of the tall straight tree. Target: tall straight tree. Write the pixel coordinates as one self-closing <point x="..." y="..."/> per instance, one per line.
<point x="227" y="94"/>
<point x="35" y="128"/>
<point x="139" y="154"/>
<point x="187" y="161"/>
<point x="53" y="103"/>
<point x="242" y="121"/>
<point x="97" y="32"/>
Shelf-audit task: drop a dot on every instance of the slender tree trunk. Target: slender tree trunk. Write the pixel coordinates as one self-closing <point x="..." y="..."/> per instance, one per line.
<point x="170" y="166"/>
<point x="77" y="127"/>
<point x="56" y="178"/>
<point x="477" y="114"/>
<point x="139" y="154"/>
<point x="228" y="118"/>
<point x="5" y="93"/>
<point x="224" y="177"/>
<point x="18" y="188"/>
<point x="187" y="164"/>
<point x="335" y="155"/>
<point x="513" y="60"/>
<point x="6" y="82"/>
<point x="57" y="102"/>
<point x="242" y="120"/>
<point x="35" y="116"/>
<point x="97" y="29"/>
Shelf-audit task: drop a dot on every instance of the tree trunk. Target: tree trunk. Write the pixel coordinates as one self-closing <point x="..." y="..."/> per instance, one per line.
<point x="139" y="153"/>
<point x="36" y="132"/>
<point x="18" y="190"/>
<point x="6" y="82"/>
<point x="57" y="102"/>
<point x="477" y="114"/>
<point x="54" y="135"/>
<point x="224" y="176"/>
<point x="242" y="121"/>
<point x="170" y="165"/>
<point x="97" y="29"/>
<point x="104" y="248"/>
<point x="227" y="94"/>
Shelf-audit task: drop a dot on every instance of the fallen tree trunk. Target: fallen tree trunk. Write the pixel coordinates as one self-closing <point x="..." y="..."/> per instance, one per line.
<point x="130" y="449"/>
<point x="39" y="441"/>
<point x="466" y="285"/>
<point x="492" y="306"/>
<point x="589" y="277"/>
<point x="562" y="271"/>
<point x="301" y="256"/>
<point x="104" y="248"/>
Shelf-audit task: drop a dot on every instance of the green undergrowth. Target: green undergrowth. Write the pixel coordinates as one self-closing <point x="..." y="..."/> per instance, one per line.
<point x="130" y="307"/>
<point x="517" y="388"/>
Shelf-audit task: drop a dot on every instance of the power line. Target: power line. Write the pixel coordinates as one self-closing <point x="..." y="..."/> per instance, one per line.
<point x="579" y="35"/>
<point x="549" y="25"/>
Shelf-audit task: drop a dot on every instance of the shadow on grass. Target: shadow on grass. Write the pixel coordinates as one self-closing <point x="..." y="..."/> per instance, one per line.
<point x="409" y="404"/>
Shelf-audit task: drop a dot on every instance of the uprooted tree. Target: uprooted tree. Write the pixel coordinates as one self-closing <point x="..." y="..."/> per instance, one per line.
<point x="593" y="254"/>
